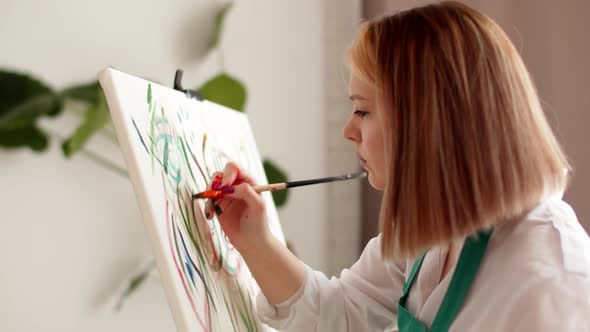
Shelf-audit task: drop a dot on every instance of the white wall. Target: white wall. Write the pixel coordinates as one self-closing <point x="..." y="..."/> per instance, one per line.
<point x="70" y="229"/>
<point x="342" y="209"/>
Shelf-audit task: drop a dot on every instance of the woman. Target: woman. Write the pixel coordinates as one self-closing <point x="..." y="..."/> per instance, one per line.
<point x="474" y="234"/>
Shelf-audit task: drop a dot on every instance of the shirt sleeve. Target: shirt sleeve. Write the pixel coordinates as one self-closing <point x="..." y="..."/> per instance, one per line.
<point x="364" y="298"/>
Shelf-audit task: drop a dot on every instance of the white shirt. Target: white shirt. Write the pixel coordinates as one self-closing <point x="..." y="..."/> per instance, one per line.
<point x="535" y="276"/>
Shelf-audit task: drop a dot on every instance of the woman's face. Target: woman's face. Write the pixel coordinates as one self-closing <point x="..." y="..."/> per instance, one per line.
<point x="364" y="130"/>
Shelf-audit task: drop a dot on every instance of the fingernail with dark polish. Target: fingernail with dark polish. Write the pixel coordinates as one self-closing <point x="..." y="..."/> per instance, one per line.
<point x="218" y="210"/>
<point x="216" y="182"/>
<point x="228" y="190"/>
<point x="207" y="215"/>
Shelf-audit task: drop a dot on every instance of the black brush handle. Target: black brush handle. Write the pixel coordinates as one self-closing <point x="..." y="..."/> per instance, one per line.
<point x="324" y="180"/>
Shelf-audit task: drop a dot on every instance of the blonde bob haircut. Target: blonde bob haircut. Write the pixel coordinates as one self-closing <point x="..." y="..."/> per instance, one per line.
<point x="466" y="142"/>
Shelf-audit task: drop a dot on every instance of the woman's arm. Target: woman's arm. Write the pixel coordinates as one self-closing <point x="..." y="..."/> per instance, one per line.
<point x="363" y="298"/>
<point x="296" y="298"/>
<point x="277" y="271"/>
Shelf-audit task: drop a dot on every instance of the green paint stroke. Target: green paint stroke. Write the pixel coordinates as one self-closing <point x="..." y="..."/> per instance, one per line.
<point x="149" y="94"/>
<point x="197" y="163"/>
<point x="247" y="313"/>
<point x="240" y="312"/>
<point x="166" y="156"/>
<point x="152" y="133"/>
<point x="231" y="311"/>
<point x="185" y="158"/>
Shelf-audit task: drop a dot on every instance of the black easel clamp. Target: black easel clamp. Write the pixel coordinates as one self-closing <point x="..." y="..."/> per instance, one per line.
<point x="189" y="93"/>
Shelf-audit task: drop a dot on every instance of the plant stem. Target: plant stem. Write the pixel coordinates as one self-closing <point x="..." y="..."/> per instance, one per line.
<point x="108" y="132"/>
<point x="94" y="156"/>
<point x="221" y="58"/>
<point x="104" y="162"/>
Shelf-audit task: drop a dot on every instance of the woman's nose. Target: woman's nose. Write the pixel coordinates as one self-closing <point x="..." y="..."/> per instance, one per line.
<point x="350" y="132"/>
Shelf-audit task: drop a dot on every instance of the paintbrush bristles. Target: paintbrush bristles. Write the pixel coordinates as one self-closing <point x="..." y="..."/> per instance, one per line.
<point x="208" y="194"/>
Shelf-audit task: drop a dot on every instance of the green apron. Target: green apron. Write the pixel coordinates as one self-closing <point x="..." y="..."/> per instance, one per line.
<point x="467" y="265"/>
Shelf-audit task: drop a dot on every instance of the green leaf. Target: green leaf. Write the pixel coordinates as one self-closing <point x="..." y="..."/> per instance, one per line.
<point x="27" y="112"/>
<point x="274" y="174"/>
<point x="218" y="26"/>
<point x="95" y="118"/>
<point x="89" y="93"/>
<point x="134" y="284"/>
<point x="23" y="99"/>
<point x="225" y="90"/>
<point x="26" y="136"/>
<point x="96" y="115"/>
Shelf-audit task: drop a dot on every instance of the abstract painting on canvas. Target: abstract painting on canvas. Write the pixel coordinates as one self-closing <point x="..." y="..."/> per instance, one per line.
<point x="171" y="145"/>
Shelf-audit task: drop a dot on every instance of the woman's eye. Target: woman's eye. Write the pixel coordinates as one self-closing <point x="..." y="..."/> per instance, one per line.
<point x="360" y="113"/>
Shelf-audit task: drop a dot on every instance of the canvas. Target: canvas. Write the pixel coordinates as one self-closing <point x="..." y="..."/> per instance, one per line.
<point x="172" y="145"/>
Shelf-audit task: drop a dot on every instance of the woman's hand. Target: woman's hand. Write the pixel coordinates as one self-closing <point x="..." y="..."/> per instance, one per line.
<point x="242" y="215"/>
<point x="241" y="211"/>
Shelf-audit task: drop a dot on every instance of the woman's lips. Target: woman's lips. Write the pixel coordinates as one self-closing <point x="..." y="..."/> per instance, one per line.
<point x="363" y="163"/>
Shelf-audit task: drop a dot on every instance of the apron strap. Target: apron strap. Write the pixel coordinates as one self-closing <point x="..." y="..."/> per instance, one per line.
<point x="408" y="284"/>
<point x="465" y="271"/>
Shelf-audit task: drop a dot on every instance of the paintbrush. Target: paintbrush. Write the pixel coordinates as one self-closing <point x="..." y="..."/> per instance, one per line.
<point x="216" y="194"/>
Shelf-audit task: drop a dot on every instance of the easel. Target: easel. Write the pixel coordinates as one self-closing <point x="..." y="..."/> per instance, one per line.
<point x="189" y="93"/>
